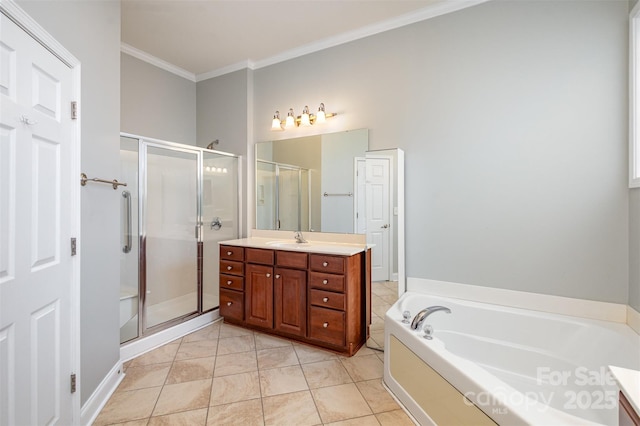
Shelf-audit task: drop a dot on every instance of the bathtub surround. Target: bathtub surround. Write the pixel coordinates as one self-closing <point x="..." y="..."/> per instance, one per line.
<point x="615" y="312"/>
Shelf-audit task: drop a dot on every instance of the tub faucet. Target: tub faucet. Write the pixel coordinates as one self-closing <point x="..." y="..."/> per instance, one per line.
<point x="299" y="238"/>
<point x="423" y="314"/>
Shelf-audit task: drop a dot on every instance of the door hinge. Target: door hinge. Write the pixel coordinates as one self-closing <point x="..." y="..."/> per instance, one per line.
<point x="74" y="110"/>
<point x="73" y="246"/>
<point x="73" y="383"/>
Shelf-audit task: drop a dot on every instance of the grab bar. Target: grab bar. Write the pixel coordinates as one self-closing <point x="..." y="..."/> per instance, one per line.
<point x="84" y="179"/>
<point x="127" y="222"/>
<point x="326" y="194"/>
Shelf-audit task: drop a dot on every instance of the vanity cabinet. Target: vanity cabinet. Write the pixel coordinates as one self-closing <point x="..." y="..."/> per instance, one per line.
<point x="314" y="298"/>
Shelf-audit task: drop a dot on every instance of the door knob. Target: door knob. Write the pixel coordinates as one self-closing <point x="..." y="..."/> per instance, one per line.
<point x="385" y="226"/>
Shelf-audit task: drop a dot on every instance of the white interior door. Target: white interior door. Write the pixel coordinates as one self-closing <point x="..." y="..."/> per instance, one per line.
<point x="359" y="201"/>
<point x="378" y="216"/>
<point x="36" y="221"/>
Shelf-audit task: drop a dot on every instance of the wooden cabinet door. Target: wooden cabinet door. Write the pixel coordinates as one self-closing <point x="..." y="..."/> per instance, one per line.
<point x="291" y="301"/>
<point x="258" y="301"/>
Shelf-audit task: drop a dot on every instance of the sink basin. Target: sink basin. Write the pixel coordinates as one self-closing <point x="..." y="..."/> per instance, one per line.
<point x="288" y="244"/>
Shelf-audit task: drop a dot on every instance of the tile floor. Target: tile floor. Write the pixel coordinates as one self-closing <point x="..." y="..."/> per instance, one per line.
<point x="228" y="375"/>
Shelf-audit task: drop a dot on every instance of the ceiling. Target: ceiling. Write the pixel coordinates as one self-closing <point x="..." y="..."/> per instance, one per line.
<point x="211" y="36"/>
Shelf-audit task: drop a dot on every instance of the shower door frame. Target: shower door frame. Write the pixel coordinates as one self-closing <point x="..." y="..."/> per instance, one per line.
<point x="143" y="143"/>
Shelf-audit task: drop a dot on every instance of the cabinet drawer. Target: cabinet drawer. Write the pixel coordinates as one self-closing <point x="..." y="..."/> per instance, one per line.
<point x="326" y="263"/>
<point x="327" y="299"/>
<point x="231" y="267"/>
<point x="290" y="259"/>
<point x="326" y="281"/>
<point x="231" y="282"/>
<point x="264" y="257"/>
<point x="231" y="304"/>
<point x="326" y="325"/>
<point x="232" y="253"/>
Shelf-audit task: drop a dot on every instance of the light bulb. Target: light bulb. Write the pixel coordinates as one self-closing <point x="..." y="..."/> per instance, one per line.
<point x="320" y="116"/>
<point x="291" y="120"/>
<point x="276" y="124"/>
<point x="305" y="120"/>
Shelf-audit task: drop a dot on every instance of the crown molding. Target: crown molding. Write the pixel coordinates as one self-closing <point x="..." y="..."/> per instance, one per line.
<point x="442" y="7"/>
<point x="247" y="64"/>
<point x="162" y="64"/>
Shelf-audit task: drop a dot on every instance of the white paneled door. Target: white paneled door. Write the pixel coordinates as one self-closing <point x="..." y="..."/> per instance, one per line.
<point x="378" y="216"/>
<point x="36" y="221"/>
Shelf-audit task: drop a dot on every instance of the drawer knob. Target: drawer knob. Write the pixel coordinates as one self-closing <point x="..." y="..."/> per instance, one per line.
<point x="229" y="282"/>
<point x="325" y="263"/>
<point x="325" y="325"/>
<point x="325" y="282"/>
<point x="277" y="275"/>
<point x="229" y="268"/>
<point x="229" y="303"/>
<point x="229" y="253"/>
<point x="268" y="275"/>
<point x="325" y="299"/>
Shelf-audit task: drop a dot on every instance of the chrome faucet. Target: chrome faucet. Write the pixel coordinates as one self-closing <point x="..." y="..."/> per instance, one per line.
<point x="299" y="238"/>
<point x="423" y="314"/>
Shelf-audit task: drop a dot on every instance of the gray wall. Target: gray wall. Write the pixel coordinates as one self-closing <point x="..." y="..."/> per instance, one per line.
<point x="91" y="32"/>
<point x="156" y="103"/>
<point x="224" y="113"/>
<point x="513" y="119"/>
<point x="634" y="248"/>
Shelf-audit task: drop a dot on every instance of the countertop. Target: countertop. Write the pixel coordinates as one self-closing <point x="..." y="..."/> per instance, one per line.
<point x="629" y="383"/>
<point x="324" y="247"/>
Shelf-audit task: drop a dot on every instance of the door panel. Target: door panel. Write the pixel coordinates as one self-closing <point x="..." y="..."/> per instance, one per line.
<point x="171" y="213"/>
<point x="259" y="295"/>
<point x="378" y="215"/>
<point x="36" y="268"/>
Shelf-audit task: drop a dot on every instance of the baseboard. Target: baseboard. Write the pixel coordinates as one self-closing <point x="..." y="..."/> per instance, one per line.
<point x="100" y="396"/>
<point x="521" y="299"/>
<point x="138" y="347"/>
<point x="633" y="319"/>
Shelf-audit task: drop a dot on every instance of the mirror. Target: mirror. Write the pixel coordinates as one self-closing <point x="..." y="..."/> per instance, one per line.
<point x="310" y="183"/>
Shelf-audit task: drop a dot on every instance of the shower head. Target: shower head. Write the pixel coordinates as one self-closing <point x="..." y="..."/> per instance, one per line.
<point x="216" y="142"/>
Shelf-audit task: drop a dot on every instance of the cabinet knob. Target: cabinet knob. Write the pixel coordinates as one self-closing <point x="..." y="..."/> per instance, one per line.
<point x="229" y="253"/>
<point x="229" y="303"/>
<point x="268" y="275"/>
<point x="229" y="268"/>
<point x="325" y="263"/>
<point x="277" y="275"/>
<point x="325" y="325"/>
<point x="325" y="299"/>
<point x="229" y="282"/>
<point x="325" y="282"/>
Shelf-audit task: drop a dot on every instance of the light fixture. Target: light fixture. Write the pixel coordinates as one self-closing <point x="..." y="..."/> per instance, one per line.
<point x="304" y="120"/>
<point x="276" y="124"/>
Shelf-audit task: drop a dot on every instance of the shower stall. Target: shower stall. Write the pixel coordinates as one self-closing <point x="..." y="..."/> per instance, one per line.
<point x="181" y="200"/>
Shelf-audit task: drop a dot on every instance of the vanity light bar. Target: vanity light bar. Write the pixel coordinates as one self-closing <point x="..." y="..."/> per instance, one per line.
<point x="306" y="119"/>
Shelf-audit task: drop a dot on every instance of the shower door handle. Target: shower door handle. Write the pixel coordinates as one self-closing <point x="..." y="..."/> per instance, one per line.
<point x="127" y="222"/>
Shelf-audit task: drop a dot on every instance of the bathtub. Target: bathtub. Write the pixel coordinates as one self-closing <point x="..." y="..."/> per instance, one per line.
<point x="492" y="364"/>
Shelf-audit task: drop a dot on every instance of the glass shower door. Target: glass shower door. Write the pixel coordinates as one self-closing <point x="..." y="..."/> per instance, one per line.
<point x="170" y="255"/>
<point x="219" y="218"/>
<point x="129" y="241"/>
